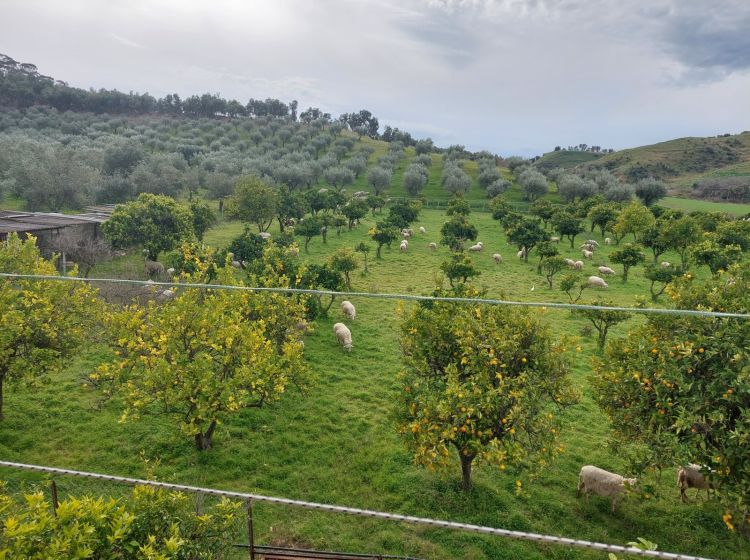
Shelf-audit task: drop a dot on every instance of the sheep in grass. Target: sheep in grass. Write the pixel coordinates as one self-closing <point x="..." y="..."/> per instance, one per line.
<point x="605" y="270"/>
<point x="497" y="257"/>
<point x="405" y="234"/>
<point x="165" y="295"/>
<point x="153" y="269"/>
<point x="475" y="248"/>
<point x="593" y="480"/>
<point x="404" y="245"/>
<point x="607" y="241"/>
<point x="571" y="263"/>
<point x="665" y="264"/>
<point x="347" y="308"/>
<point x="578" y="265"/>
<point x="422" y="229"/>
<point x="343" y="335"/>
<point x="522" y="253"/>
<point x="432" y="246"/>
<point x="593" y="242"/>
<point x="587" y="254"/>
<point x="690" y="477"/>
<point x="555" y="239"/>
<point x="596" y="282"/>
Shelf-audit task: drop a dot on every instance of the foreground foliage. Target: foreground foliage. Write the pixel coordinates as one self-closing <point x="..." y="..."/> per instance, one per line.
<point x="151" y="524"/>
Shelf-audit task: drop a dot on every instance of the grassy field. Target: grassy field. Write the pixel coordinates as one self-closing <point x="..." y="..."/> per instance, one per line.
<point x="337" y="443"/>
<point x="691" y="205"/>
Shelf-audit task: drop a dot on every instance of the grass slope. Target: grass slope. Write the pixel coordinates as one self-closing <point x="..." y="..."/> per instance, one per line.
<point x="565" y="159"/>
<point x="337" y="444"/>
<point x="682" y="161"/>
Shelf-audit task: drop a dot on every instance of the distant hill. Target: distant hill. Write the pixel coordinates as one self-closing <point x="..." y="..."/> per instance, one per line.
<point x="565" y="159"/>
<point x="683" y="162"/>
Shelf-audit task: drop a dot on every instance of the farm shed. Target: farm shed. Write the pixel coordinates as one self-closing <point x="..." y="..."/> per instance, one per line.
<point x="49" y="227"/>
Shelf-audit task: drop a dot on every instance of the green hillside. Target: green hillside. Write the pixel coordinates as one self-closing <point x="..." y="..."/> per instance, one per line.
<point x="565" y="159"/>
<point x="683" y="161"/>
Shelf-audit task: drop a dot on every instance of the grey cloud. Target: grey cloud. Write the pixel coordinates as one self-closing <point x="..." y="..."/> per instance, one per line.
<point x="715" y="41"/>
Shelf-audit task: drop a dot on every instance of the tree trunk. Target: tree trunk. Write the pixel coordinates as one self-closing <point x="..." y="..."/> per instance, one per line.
<point x="203" y="441"/>
<point x="2" y="381"/>
<point x="572" y="240"/>
<point x="466" y="471"/>
<point x="307" y="242"/>
<point x="377" y="253"/>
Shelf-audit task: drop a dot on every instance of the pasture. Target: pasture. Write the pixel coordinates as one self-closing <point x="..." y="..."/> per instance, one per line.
<point x="337" y="443"/>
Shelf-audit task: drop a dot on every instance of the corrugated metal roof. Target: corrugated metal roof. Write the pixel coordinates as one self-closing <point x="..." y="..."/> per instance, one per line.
<point x="11" y="221"/>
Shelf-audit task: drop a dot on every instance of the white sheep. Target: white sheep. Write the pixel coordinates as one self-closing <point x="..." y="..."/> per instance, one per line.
<point x="691" y="477"/>
<point x="404" y="245"/>
<point x="405" y="234"/>
<point x="593" y="480"/>
<point x="522" y="253"/>
<point x="497" y="257"/>
<point x="587" y="254"/>
<point x="475" y="248"/>
<point x="347" y="308"/>
<point x="343" y="335"/>
<point x="606" y="270"/>
<point x="578" y="265"/>
<point x="265" y="235"/>
<point x="170" y="271"/>
<point x="596" y="282"/>
<point x="665" y="264"/>
<point x="432" y="246"/>
<point x="555" y="239"/>
<point x="607" y="241"/>
<point x="422" y="229"/>
<point x="571" y="263"/>
<point x="593" y="242"/>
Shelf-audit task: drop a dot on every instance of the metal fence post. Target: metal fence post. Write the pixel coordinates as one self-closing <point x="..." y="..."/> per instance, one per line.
<point x="55" y="503"/>
<point x="250" y="534"/>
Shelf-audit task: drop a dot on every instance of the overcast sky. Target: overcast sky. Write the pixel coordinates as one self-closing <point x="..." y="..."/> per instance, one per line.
<point x="509" y="76"/>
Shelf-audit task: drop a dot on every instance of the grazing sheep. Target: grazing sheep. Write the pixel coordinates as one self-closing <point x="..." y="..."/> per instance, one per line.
<point x="343" y="335"/>
<point x="405" y="234"/>
<point x="607" y="241"/>
<point x="593" y="242"/>
<point x="578" y="265"/>
<point x="665" y="264"/>
<point x="587" y="254"/>
<point x="422" y="229"/>
<point x="596" y="282"/>
<point x="593" y="480"/>
<point x="432" y="246"/>
<point x="265" y="235"/>
<point x="522" y="253"/>
<point x="153" y="268"/>
<point x="404" y="245"/>
<point x="555" y="239"/>
<point x="475" y="248"/>
<point x="321" y="191"/>
<point x="691" y="477"/>
<point x="606" y="270"/>
<point x="571" y="263"/>
<point x="170" y="271"/>
<point x="347" y="308"/>
<point x="497" y="257"/>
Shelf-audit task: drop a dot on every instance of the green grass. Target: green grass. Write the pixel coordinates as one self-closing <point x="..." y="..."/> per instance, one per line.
<point x="691" y="204"/>
<point x="11" y="203"/>
<point x="337" y="443"/>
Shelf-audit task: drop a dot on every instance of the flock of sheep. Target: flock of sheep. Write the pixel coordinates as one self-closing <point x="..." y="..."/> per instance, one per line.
<point x="593" y="480"/>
